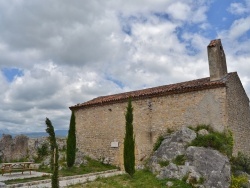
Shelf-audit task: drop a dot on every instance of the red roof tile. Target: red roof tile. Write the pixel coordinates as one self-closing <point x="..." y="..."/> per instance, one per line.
<point x="183" y="87"/>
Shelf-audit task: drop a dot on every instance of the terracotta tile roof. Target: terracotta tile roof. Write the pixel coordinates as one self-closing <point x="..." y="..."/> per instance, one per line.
<point x="183" y="87"/>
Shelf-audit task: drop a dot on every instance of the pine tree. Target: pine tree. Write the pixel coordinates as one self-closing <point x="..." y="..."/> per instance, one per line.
<point x="54" y="154"/>
<point x="71" y="142"/>
<point x="129" y="142"/>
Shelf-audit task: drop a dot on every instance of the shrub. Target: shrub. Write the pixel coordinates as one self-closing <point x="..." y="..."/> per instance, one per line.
<point x="238" y="181"/>
<point x="222" y="142"/>
<point x="43" y="150"/>
<point x="240" y="163"/>
<point x="158" y="142"/>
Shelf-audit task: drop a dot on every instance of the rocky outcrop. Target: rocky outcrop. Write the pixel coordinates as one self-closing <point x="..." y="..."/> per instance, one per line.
<point x="211" y="165"/>
<point x="201" y="167"/>
<point x="22" y="147"/>
<point x="13" y="149"/>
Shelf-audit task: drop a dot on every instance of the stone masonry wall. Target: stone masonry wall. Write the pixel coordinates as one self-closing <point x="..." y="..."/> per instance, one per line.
<point x="97" y="127"/>
<point x="238" y="114"/>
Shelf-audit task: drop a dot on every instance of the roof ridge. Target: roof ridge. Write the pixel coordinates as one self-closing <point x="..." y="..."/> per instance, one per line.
<point x="181" y="87"/>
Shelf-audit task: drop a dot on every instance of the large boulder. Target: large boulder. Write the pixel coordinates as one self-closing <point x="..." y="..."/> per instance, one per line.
<point x="203" y="167"/>
<point x="211" y="164"/>
<point x="172" y="146"/>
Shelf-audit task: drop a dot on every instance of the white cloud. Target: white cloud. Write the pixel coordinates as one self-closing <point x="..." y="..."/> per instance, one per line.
<point x="71" y="52"/>
<point x="239" y="8"/>
<point x="179" y="11"/>
<point x="239" y="27"/>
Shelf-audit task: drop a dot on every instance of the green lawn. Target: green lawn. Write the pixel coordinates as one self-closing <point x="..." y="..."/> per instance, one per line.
<point x="91" y="166"/>
<point x="143" y="179"/>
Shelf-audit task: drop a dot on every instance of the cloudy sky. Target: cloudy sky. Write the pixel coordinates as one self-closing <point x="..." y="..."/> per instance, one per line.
<point x="57" y="53"/>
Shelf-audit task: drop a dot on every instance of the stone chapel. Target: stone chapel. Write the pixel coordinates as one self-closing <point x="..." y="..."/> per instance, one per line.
<point x="219" y="101"/>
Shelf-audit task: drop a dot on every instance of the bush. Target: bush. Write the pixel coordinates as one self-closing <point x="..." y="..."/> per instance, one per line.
<point x="239" y="181"/>
<point x="42" y="151"/>
<point x="240" y="163"/>
<point x="222" y="142"/>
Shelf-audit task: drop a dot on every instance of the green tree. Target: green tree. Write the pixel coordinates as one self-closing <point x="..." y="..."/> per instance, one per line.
<point x="71" y="142"/>
<point x="54" y="154"/>
<point x="129" y="142"/>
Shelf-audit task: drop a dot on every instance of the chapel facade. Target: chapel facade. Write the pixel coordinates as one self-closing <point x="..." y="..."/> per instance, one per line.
<point x="219" y="101"/>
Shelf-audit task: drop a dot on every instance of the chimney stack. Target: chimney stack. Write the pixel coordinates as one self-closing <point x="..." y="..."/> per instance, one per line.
<point x="217" y="60"/>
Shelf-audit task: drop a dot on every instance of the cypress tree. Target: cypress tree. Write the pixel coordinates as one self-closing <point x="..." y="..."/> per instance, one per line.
<point x="129" y="142"/>
<point x="71" y="142"/>
<point x="54" y="154"/>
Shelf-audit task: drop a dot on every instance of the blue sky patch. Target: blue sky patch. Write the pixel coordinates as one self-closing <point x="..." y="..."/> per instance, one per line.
<point x="11" y="73"/>
<point x="219" y="16"/>
<point x="117" y="82"/>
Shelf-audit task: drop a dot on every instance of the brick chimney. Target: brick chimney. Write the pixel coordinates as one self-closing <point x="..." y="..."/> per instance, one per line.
<point x="217" y="60"/>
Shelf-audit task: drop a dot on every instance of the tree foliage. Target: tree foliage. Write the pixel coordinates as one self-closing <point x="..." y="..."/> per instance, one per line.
<point x="129" y="142"/>
<point x="54" y="154"/>
<point x="71" y="142"/>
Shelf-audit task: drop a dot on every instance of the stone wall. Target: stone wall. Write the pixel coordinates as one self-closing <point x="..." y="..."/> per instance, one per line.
<point x="13" y="148"/>
<point x="99" y="127"/>
<point x="238" y="114"/>
<point x="23" y="148"/>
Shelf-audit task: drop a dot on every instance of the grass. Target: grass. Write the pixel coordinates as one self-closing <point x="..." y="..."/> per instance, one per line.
<point x="158" y="142"/>
<point x="91" y="166"/>
<point x="15" y="181"/>
<point x="179" y="160"/>
<point x="163" y="163"/>
<point x="141" y="178"/>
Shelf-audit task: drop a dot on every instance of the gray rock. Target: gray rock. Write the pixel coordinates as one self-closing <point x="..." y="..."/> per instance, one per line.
<point x="169" y="184"/>
<point x="46" y="162"/>
<point x="194" y="177"/>
<point x="204" y="167"/>
<point x="212" y="165"/>
<point x="203" y="132"/>
<point x="106" y="160"/>
<point x="173" y="171"/>
<point x="2" y="184"/>
<point x="185" y="135"/>
<point x="140" y="167"/>
<point x="174" y="144"/>
<point x="79" y="160"/>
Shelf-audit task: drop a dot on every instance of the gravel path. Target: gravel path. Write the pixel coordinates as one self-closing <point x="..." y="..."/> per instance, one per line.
<point x="66" y="181"/>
